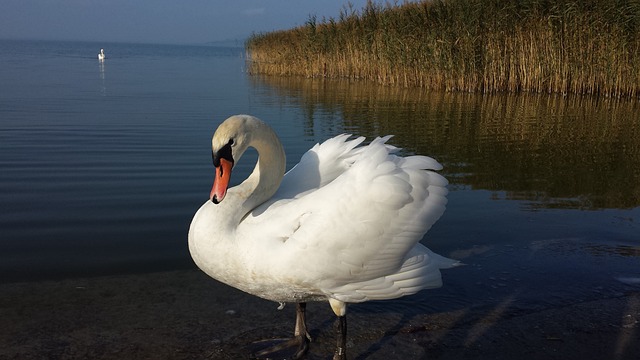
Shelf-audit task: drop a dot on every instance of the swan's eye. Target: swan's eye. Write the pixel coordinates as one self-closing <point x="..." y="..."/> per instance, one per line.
<point x="231" y="142"/>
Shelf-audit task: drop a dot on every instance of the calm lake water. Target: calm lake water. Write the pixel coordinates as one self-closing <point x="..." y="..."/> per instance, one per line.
<point x="102" y="166"/>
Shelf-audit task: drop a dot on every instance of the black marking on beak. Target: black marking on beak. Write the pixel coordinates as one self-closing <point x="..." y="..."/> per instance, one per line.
<point x="223" y="153"/>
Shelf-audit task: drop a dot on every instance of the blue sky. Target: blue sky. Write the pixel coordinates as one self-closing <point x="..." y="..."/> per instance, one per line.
<point x="157" y="21"/>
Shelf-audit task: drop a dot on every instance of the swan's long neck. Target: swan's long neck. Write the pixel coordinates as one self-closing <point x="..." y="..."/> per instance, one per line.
<point x="267" y="174"/>
<point x="212" y="234"/>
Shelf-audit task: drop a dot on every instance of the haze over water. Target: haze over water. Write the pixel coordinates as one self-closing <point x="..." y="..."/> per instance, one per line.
<point x="104" y="164"/>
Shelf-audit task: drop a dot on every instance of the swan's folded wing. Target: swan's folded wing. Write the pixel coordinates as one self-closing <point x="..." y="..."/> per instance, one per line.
<point x="421" y="270"/>
<point x="361" y="225"/>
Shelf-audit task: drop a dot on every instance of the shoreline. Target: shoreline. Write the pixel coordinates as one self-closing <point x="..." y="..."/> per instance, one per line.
<point x="184" y="314"/>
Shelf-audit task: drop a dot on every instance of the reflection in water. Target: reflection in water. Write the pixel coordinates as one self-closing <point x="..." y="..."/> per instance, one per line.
<point x="574" y="245"/>
<point x="103" y="86"/>
<point x="553" y="152"/>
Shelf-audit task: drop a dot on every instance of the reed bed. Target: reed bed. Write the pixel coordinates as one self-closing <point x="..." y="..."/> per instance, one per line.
<point x="571" y="46"/>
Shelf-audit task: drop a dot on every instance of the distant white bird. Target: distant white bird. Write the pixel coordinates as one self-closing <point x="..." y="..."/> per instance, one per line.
<point x="101" y="55"/>
<point x="342" y="226"/>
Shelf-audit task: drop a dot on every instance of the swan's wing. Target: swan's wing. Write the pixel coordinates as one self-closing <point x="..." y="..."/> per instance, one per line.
<point x="421" y="270"/>
<point x="358" y="228"/>
<point x="322" y="164"/>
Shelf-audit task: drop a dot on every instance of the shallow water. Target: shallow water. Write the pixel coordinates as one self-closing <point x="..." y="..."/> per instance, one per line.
<point x="104" y="164"/>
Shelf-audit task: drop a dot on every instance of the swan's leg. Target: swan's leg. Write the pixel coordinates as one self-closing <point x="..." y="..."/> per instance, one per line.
<point x="300" y="337"/>
<point x="300" y="334"/>
<point x="341" y="334"/>
<point x="340" y="309"/>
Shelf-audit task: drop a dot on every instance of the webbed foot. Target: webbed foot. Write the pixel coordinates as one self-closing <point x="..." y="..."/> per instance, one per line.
<point x="300" y="339"/>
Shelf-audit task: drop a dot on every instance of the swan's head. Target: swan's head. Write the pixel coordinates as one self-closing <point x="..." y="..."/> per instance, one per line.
<point x="230" y="141"/>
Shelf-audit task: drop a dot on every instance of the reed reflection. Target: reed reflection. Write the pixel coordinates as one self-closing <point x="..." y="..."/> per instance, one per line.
<point x="551" y="151"/>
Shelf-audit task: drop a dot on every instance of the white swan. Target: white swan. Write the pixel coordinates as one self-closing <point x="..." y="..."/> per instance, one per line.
<point x="101" y="55"/>
<point x="342" y="226"/>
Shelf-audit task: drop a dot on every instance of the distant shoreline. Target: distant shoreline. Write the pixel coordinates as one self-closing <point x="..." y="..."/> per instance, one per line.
<point x="573" y="47"/>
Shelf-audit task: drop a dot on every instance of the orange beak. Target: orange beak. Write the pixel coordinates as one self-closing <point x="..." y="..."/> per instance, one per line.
<point x="221" y="181"/>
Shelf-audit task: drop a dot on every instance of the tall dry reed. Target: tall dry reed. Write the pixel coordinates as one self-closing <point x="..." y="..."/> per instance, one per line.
<point x="571" y="46"/>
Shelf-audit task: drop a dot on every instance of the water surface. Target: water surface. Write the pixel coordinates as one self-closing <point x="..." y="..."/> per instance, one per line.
<point x="104" y="164"/>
